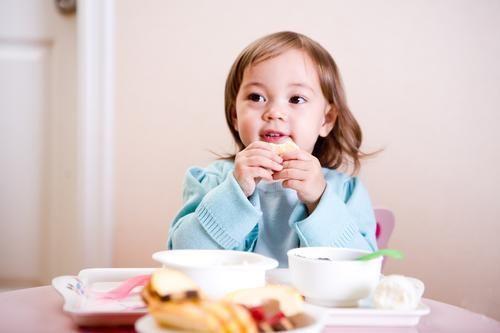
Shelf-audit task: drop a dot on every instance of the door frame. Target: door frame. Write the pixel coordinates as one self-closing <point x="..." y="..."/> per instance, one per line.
<point x="95" y="144"/>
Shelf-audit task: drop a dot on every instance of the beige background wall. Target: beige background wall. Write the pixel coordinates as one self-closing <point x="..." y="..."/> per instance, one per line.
<point x="422" y="78"/>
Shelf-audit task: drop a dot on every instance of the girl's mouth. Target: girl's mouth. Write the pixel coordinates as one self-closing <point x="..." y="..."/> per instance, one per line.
<point x="273" y="137"/>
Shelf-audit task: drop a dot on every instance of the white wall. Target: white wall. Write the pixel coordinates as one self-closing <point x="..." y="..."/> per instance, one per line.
<point x="422" y="78"/>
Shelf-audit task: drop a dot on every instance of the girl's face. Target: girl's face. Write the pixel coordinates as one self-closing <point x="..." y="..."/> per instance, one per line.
<point x="281" y="98"/>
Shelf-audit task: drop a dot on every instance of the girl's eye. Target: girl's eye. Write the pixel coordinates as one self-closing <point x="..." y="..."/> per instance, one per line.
<point x="297" y="100"/>
<point x="256" y="98"/>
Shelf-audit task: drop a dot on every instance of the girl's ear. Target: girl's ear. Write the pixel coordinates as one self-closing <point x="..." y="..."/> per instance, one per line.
<point x="329" y="121"/>
<point x="234" y="119"/>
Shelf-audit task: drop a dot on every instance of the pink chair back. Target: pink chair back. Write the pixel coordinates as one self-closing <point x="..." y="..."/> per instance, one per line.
<point x="385" y="226"/>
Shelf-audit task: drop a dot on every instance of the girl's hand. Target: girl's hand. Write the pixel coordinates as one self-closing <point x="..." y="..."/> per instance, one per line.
<point x="302" y="172"/>
<point x="257" y="161"/>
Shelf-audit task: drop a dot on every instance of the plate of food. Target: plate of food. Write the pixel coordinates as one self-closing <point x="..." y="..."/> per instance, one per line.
<point x="176" y="304"/>
<point x="395" y="301"/>
<point x="111" y="296"/>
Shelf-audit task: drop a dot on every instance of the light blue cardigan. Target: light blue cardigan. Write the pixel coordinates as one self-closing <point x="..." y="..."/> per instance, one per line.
<point x="217" y="215"/>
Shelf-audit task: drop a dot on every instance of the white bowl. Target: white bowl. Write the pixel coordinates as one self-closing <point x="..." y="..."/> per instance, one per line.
<point x="331" y="276"/>
<point x="218" y="272"/>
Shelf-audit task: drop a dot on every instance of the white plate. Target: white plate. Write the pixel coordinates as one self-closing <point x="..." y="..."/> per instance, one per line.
<point x="363" y="315"/>
<point x="147" y="324"/>
<point x="88" y="310"/>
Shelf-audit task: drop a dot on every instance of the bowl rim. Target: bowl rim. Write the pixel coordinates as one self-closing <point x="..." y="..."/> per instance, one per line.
<point x="263" y="262"/>
<point x="292" y="253"/>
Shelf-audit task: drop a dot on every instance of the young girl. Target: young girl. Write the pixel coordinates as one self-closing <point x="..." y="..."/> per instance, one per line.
<point x="283" y="86"/>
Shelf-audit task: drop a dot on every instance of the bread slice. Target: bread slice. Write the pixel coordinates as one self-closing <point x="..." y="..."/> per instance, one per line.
<point x="290" y="300"/>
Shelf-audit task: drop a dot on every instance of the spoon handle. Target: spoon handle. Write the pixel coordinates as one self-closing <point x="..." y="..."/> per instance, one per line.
<point x="383" y="252"/>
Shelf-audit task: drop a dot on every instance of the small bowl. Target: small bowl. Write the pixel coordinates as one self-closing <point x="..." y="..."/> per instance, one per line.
<point x="333" y="277"/>
<point x="218" y="272"/>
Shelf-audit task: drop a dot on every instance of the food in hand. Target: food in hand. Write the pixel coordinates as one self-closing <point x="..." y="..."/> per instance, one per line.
<point x="174" y="301"/>
<point x="398" y="292"/>
<point x="284" y="147"/>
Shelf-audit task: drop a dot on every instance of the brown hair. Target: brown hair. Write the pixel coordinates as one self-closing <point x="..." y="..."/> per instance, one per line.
<point x="341" y="146"/>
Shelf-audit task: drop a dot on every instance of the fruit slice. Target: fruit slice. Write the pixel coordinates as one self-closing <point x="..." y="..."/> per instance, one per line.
<point x="285" y="147"/>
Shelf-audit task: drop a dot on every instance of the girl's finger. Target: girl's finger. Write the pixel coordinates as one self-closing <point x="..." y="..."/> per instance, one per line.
<point x="293" y="184"/>
<point x="260" y="161"/>
<point x="297" y="155"/>
<point x="260" y="145"/>
<point x="258" y="150"/>
<point x="258" y="172"/>
<point x="297" y="164"/>
<point x="270" y="154"/>
<point x="295" y="174"/>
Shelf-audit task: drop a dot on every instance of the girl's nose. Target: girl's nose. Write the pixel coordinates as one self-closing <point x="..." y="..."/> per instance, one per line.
<point x="275" y="113"/>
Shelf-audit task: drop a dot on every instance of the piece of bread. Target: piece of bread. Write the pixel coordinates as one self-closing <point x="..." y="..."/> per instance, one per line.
<point x="290" y="300"/>
<point x="284" y="147"/>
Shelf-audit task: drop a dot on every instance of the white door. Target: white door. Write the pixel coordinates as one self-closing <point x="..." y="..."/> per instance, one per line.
<point x="37" y="143"/>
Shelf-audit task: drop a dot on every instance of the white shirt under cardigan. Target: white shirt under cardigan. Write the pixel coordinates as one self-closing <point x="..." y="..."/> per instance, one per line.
<point x="217" y="215"/>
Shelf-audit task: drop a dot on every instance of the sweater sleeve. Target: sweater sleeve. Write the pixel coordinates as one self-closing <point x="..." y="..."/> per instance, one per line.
<point x="215" y="215"/>
<point x="343" y="218"/>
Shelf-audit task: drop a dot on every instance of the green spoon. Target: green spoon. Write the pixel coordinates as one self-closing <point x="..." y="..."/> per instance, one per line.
<point x="383" y="252"/>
